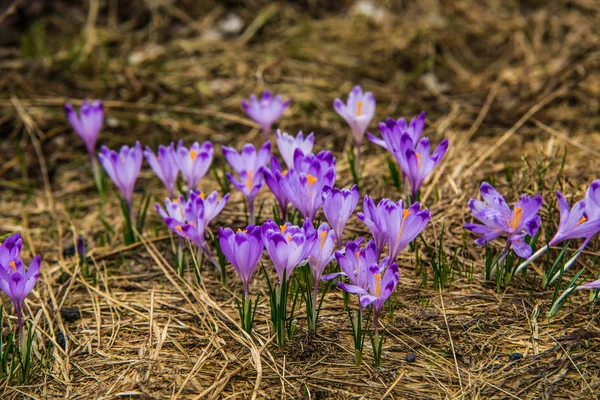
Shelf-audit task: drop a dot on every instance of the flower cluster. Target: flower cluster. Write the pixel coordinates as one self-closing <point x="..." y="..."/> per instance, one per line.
<point x="300" y="249"/>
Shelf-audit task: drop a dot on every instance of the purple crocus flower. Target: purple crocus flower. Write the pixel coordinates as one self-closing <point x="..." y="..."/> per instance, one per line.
<point x="319" y="257"/>
<point x="393" y="130"/>
<point x="273" y="179"/>
<point x="197" y="212"/>
<point x="582" y="221"/>
<point x="287" y="245"/>
<point x="403" y="225"/>
<point x="173" y="210"/>
<point x="374" y="218"/>
<point x="194" y="162"/>
<point x="321" y="253"/>
<point x="266" y="110"/>
<point x="243" y="249"/>
<point x="87" y="124"/>
<point x="592" y="201"/>
<point x="288" y="144"/>
<point x="574" y="222"/>
<point x="338" y="206"/>
<point x="497" y="218"/>
<point x="123" y="168"/>
<point x="355" y="263"/>
<point x="358" y="111"/>
<point x="304" y="183"/>
<point x="186" y="217"/>
<point x="17" y="282"/>
<point x="212" y="205"/>
<point x="249" y="165"/>
<point x="420" y="162"/>
<point x="381" y="286"/>
<point x="10" y="250"/>
<point x="164" y="166"/>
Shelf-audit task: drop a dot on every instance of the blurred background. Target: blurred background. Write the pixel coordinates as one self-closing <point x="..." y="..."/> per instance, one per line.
<point x="513" y="84"/>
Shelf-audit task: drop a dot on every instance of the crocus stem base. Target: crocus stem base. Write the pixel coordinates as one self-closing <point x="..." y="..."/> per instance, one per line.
<point x="97" y="173"/>
<point x="357" y="356"/>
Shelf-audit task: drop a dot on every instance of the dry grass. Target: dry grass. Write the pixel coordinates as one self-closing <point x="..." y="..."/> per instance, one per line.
<point x="504" y="81"/>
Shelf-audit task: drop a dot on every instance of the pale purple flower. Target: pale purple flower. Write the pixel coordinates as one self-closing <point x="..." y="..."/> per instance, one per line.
<point x="266" y="110"/>
<point x="357" y="111"/>
<point x="380" y="287"/>
<point x="194" y="162"/>
<point x="16" y="283"/>
<point x="198" y="208"/>
<point x="497" y="218"/>
<point x="321" y="253"/>
<point x="212" y="205"/>
<point x="164" y="166"/>
<point x="574" y="222"/>
<point x="420" y="162"/>
<point x="355" y="262"/>
<point x="273" y="178"/>
<point x="374" y="218"/>
<point x="304" y="183"/>
<point x="123" y="168"/>
<point x="10" y="250"/>
<point x="403" y="225"/>
<point x="249" y="165"/>
<point x="288" y="144"/>
<point x="393" y="130"/>
<point x="592" y="201"/>
<point x="338" y="207"/>
<point x="287" y="245"/>
<point x="591" y="285"/>
<point x="88" y="123"/>
<point x="186" y="218"/>
<point x="243" y="249"/>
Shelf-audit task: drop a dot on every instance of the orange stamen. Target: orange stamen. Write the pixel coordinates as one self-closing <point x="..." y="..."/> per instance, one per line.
<point x="193" y="154"/>
<point x="249" y="180"/>
<point x="405" y="214"/>
<point x="288" y="237"/>
<point x="179" y="228"/>
<point x="516" y="218"/>
<point x="13" y="265"/>
<point x="323" y="237"/>
<point x="582" y="220"/>
<point x="311" y="181"/>
<point x="419" y="162"/>
<point x="242" y="231"/>
<point x="377" y="285"/>
<point x="358" y="107"/>
<point x="284" y="173"/>
<point x="202" y="195"/>
<point x="282" y="227"/>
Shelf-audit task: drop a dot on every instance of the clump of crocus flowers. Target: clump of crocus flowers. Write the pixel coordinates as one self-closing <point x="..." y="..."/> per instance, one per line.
<point x="298" y="246"/>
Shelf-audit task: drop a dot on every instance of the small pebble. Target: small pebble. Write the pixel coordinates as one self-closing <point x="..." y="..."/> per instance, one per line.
<point x="69" y="251"/>
<point x="60" y="339"/>
<point x="70" y="314"/>
<point x="515" y="356"/>
<point x="412" y="357"/>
